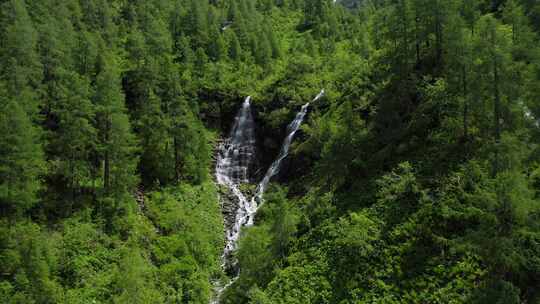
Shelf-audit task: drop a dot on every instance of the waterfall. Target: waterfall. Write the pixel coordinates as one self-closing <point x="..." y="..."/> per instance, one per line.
<point x="292" y="128"/>
<point x="235" y="159"/>
<point x="238" y="151"/>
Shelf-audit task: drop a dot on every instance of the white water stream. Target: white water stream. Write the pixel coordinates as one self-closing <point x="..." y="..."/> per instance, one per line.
<point x="235" y="160"/>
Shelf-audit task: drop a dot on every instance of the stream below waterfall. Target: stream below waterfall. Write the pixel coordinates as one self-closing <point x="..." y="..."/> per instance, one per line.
<point x="235" y="160"/>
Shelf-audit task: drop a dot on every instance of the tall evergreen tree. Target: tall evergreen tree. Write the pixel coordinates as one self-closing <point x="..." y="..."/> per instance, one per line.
<point x="262" y="50"/>
<point x="117" y="145"/>
<point x="152" y="129"/>
<point x="21" y="67"/>
<point x="495" y="53"/>
<point x="235" y="50"/>
<point x="459" y="42"/>
<point x="73" y="138"/>
<point x="21" y="158"/>
<point x="197" y="24"/>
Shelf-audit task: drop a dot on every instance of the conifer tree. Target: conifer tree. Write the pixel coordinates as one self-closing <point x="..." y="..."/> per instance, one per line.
<point x="398" y="35"/>
<point x="460" y="62"/>
<point x="190" y="143"/>
<point x="152" y="129"/>
<point x="263" y="50"/>
<point x="157" y="36"/>
<point x="73" y="139"/>
<point x="197" y="24"/>
<point x="21" y="158"/>
<point x="217" y="48"/>
<point x="470" y="11"/>
<point x="86" y="53"/>
<point x="233" y="14"/>
<point x="310" y="46"/>
<point x="522" y="35"/>
<point x="117" y="144"/>
<point x="200" y="61"/>
<point x="136" y="48"/>
<point x="274" y="44"/>
<point x="235" y="50"/>
<point x="20" y="62"/>
<point x="495" y="56"/>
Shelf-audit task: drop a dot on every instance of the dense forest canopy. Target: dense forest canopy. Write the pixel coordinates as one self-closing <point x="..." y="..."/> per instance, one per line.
<point x="416" y="179"/>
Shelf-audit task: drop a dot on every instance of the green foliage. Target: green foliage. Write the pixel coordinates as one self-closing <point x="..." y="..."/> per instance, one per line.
<point x="21" y="159"/>
<point x="415" y="180"/>
<point x="29" y="258"/>
<point x="117" y="144"/>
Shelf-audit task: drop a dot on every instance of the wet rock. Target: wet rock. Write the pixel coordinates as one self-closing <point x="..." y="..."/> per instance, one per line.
<point x="229" y="206"/>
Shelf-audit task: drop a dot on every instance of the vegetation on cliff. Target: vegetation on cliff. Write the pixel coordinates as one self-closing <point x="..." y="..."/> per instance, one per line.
<point x="415" y="180"/>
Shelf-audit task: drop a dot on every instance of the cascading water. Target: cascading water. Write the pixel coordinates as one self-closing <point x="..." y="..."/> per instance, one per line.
<point x="238" y="151"/>
<point x="291" y="131"/>
<point x="235" y="159"/>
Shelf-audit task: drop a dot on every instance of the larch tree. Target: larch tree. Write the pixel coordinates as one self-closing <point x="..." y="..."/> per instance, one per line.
<point x="22" y="68"/>
<point x="117" y="144"/>
<point x="21" y="158"/>
<point x="73" y="139"/>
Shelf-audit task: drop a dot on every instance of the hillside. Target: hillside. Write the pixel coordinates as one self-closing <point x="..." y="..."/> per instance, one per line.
<point x="182" y="151"/>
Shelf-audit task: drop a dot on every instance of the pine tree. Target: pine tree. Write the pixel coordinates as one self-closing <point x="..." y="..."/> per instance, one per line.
<point x="21" y="158"/>
<point x="217" y="47"/>
<point x="313" y="12"/>
<point x="233" y="15"/>
<point x="190" y="142"/>
<point x="522" y="35"/>
<point x="274" y="44"/>
<point x="185" y="51"/>
<point x="136" y="48"/>
<point x="263" y="50"/>
<point x="157" y="36"/>
<point x="86" y="53"/>
<point x="283" y="225"/>
<point x="117" y="144"/>
<point x="495" y="56"/>
<point x="200" y="61"/>
<point x="310" y="46"/>
<point x="460" y="62"/>
<point x="398" y="36"/>
<point x="235" y="50"/>
<point x="73" y="139"/>
<point x="20" y="62"/>
<point x="197" y="24"/>
<point x="153" y="129"/>
<point x="470" y="11"/>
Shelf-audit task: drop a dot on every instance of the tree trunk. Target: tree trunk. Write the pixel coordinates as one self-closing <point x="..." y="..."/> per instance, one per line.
<point x="497" y="101"/>
<point x="107" y="165"/>
<point x="438" y="36"/>
<point x="176" y="161"/>
<point x="465" y="103"/>
<point x="497" y="112"/>
<point x="417" y="35"/>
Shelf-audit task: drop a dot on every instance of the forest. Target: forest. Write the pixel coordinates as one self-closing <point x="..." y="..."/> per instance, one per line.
<point x="414" y="178"/>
